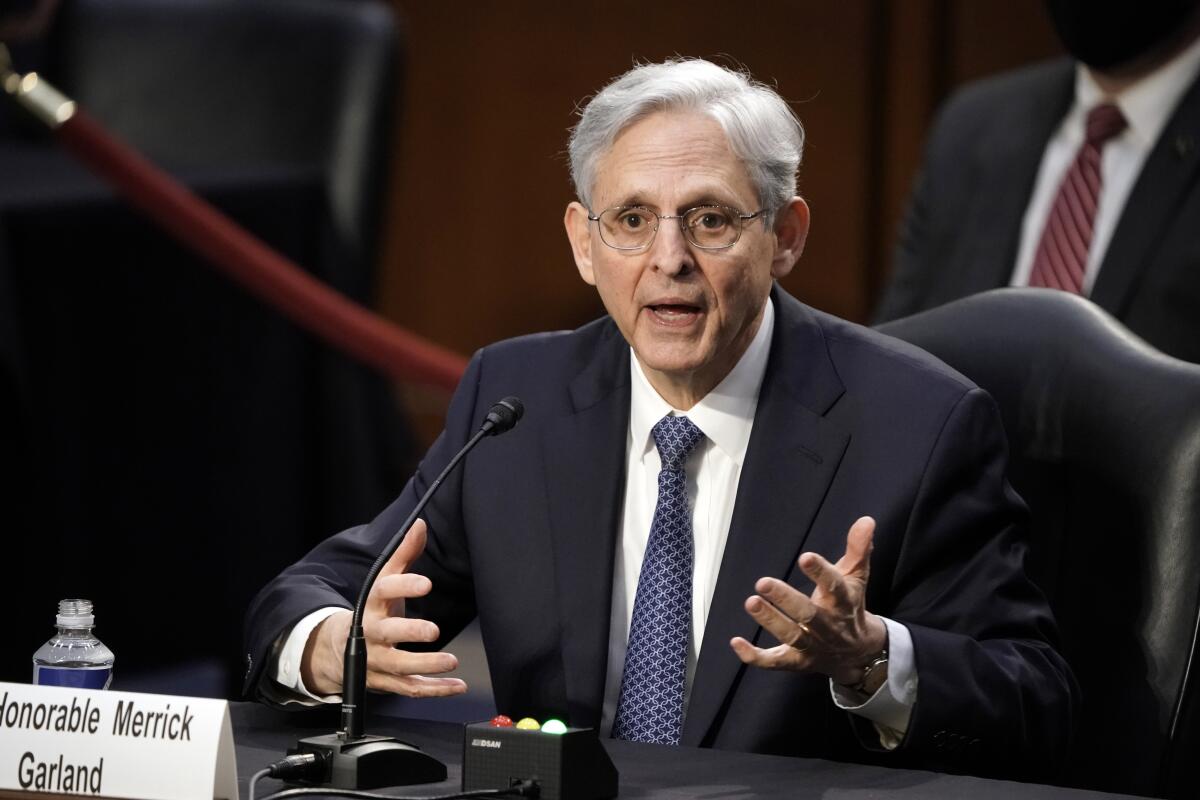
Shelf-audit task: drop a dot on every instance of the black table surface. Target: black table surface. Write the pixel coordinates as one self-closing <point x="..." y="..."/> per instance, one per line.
<point x="262" y="735"/>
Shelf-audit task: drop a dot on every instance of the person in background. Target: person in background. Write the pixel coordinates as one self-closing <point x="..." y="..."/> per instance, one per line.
<point x="1080" y="174"/>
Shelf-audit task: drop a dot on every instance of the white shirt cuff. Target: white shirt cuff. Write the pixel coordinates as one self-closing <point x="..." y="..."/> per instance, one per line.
<point x="890" y="708"/>
<point x="282" y="681"/>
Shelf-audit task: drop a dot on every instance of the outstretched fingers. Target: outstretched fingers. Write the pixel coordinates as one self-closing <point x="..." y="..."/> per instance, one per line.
<point x="416" y="685"/>
<point x="793" y="604"/>
<point x="860" y="540"/>
<point x="390" y="668"/>
<point x="394" y="583"/>
<point x="829" y="579"/>
<point x="410" y="549"/>
<point x="406" y="673"/>
<point x="778" y="657"/>
<point x="782" y="626"/>
<point x="401" y="663"/>
<point x="829" y="630"/>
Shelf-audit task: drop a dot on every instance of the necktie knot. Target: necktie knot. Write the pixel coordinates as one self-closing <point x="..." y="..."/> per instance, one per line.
<point x="676" y="438"/>
<point x="1103" y="123"/>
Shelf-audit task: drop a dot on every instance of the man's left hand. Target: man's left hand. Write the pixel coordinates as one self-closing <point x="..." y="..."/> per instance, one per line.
<point x="831" y="631"/>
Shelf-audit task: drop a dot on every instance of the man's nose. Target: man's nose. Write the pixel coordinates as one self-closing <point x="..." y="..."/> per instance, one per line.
<point x="671" y="251"/>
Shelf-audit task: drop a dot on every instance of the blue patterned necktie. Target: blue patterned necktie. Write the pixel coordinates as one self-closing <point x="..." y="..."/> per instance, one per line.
<point x="651" y="704"/>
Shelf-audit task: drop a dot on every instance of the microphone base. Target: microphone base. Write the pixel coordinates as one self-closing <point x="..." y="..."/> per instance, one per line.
<point x="370" y="762"/>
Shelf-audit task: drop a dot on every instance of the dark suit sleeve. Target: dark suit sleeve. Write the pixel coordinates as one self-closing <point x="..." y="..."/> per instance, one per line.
<point x="332" y="573"/>
<point x="994" y="696"/>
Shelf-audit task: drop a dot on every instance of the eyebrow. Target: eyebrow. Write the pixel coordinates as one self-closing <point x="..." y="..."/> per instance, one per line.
<point x="635" y="201"/>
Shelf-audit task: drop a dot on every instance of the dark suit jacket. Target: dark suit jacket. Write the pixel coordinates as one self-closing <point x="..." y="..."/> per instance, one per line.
<point x="849" y="422"/>
<point x="963" y="225"/>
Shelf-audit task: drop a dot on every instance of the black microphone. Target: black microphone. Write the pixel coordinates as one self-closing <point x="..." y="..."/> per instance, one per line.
<point x="503" y="416"/>
<point x="350" y="758"/>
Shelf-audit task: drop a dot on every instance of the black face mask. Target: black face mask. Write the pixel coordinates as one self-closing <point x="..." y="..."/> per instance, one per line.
<point x="1108" y="33"/>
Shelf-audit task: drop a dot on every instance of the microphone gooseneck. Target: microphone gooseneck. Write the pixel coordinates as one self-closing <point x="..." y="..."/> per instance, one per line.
<point x="501" y="417"/>
<point x="350" y="759"/>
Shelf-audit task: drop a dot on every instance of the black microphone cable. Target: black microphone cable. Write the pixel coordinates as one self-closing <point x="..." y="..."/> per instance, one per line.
<point x="522" y="789"/>
<point x="308" y="766"/>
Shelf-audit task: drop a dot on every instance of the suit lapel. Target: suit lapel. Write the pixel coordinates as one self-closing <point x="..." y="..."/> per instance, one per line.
<point x="1152" y="205"/>
<point x="1007" y="159"/>
<point x="585" y="481"/>
<point x="792" y="457"/>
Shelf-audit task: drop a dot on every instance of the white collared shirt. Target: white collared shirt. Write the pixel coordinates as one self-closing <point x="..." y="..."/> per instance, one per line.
<point x="1147" y="106"/>
<point x="726" y="416"/>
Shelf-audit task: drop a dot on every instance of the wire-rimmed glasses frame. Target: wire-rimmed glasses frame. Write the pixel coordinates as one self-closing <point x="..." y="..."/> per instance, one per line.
<point x="705" y="226"/>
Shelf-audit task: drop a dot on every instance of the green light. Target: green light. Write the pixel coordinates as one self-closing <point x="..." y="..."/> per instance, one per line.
<point x="554" y="726"/>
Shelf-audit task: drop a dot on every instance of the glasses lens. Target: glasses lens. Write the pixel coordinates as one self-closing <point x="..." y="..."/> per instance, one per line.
<point x="627" y="228"/>
<point x="712" y="226"/>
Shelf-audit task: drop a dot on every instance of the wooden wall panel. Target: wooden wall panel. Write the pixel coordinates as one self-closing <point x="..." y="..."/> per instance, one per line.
<point x="987" y="37"/>
<point x="912" y="88"/>
<point x="474" y="247"/>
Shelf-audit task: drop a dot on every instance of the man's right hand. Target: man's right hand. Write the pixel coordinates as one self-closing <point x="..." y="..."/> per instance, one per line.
<point x="384" y="625"/>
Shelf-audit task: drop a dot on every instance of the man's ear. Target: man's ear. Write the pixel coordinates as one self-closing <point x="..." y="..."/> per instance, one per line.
<point x="791" y="231"/>
<point x="579" y="232"/>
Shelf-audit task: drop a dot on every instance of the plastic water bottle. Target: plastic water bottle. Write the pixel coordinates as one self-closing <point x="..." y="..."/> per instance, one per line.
<point x="74" y="657"/>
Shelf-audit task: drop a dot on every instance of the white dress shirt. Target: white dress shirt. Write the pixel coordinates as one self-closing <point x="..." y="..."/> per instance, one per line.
<point x="1147" y="106"/>
<point x="726" y="416"/>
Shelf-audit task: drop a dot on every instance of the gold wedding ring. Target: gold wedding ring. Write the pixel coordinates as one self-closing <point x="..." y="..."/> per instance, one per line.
<point x="804" y="630"/>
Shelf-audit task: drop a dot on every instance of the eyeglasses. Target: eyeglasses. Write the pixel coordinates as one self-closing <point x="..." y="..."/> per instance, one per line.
<point x="708" y="227"/>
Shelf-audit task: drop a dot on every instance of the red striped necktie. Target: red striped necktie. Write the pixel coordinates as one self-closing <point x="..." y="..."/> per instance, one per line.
<point x="1062" y="255"/>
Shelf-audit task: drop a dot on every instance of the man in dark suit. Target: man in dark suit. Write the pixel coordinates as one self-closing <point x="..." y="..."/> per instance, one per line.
<point x="998" y="201"/>
<point x="660" y="548"/>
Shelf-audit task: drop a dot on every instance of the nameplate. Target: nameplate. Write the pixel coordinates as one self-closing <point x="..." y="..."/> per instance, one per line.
<point x="70" y="741"/>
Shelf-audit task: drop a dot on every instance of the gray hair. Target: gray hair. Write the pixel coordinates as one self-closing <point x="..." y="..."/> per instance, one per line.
<point x="762" y="130"/>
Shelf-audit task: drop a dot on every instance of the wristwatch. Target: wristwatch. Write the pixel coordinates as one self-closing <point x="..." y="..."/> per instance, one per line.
<point x="874" y="675"/>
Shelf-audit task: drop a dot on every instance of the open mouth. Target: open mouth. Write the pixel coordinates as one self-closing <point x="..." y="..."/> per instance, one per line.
<point x="674" y="313"/>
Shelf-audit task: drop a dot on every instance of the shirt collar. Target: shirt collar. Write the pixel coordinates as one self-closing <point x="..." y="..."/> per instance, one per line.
<point x="725" y="415"/>
<point x="1147" y="104"/>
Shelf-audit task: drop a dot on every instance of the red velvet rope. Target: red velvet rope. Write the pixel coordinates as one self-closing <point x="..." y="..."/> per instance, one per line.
<point x="359" y="333"/>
